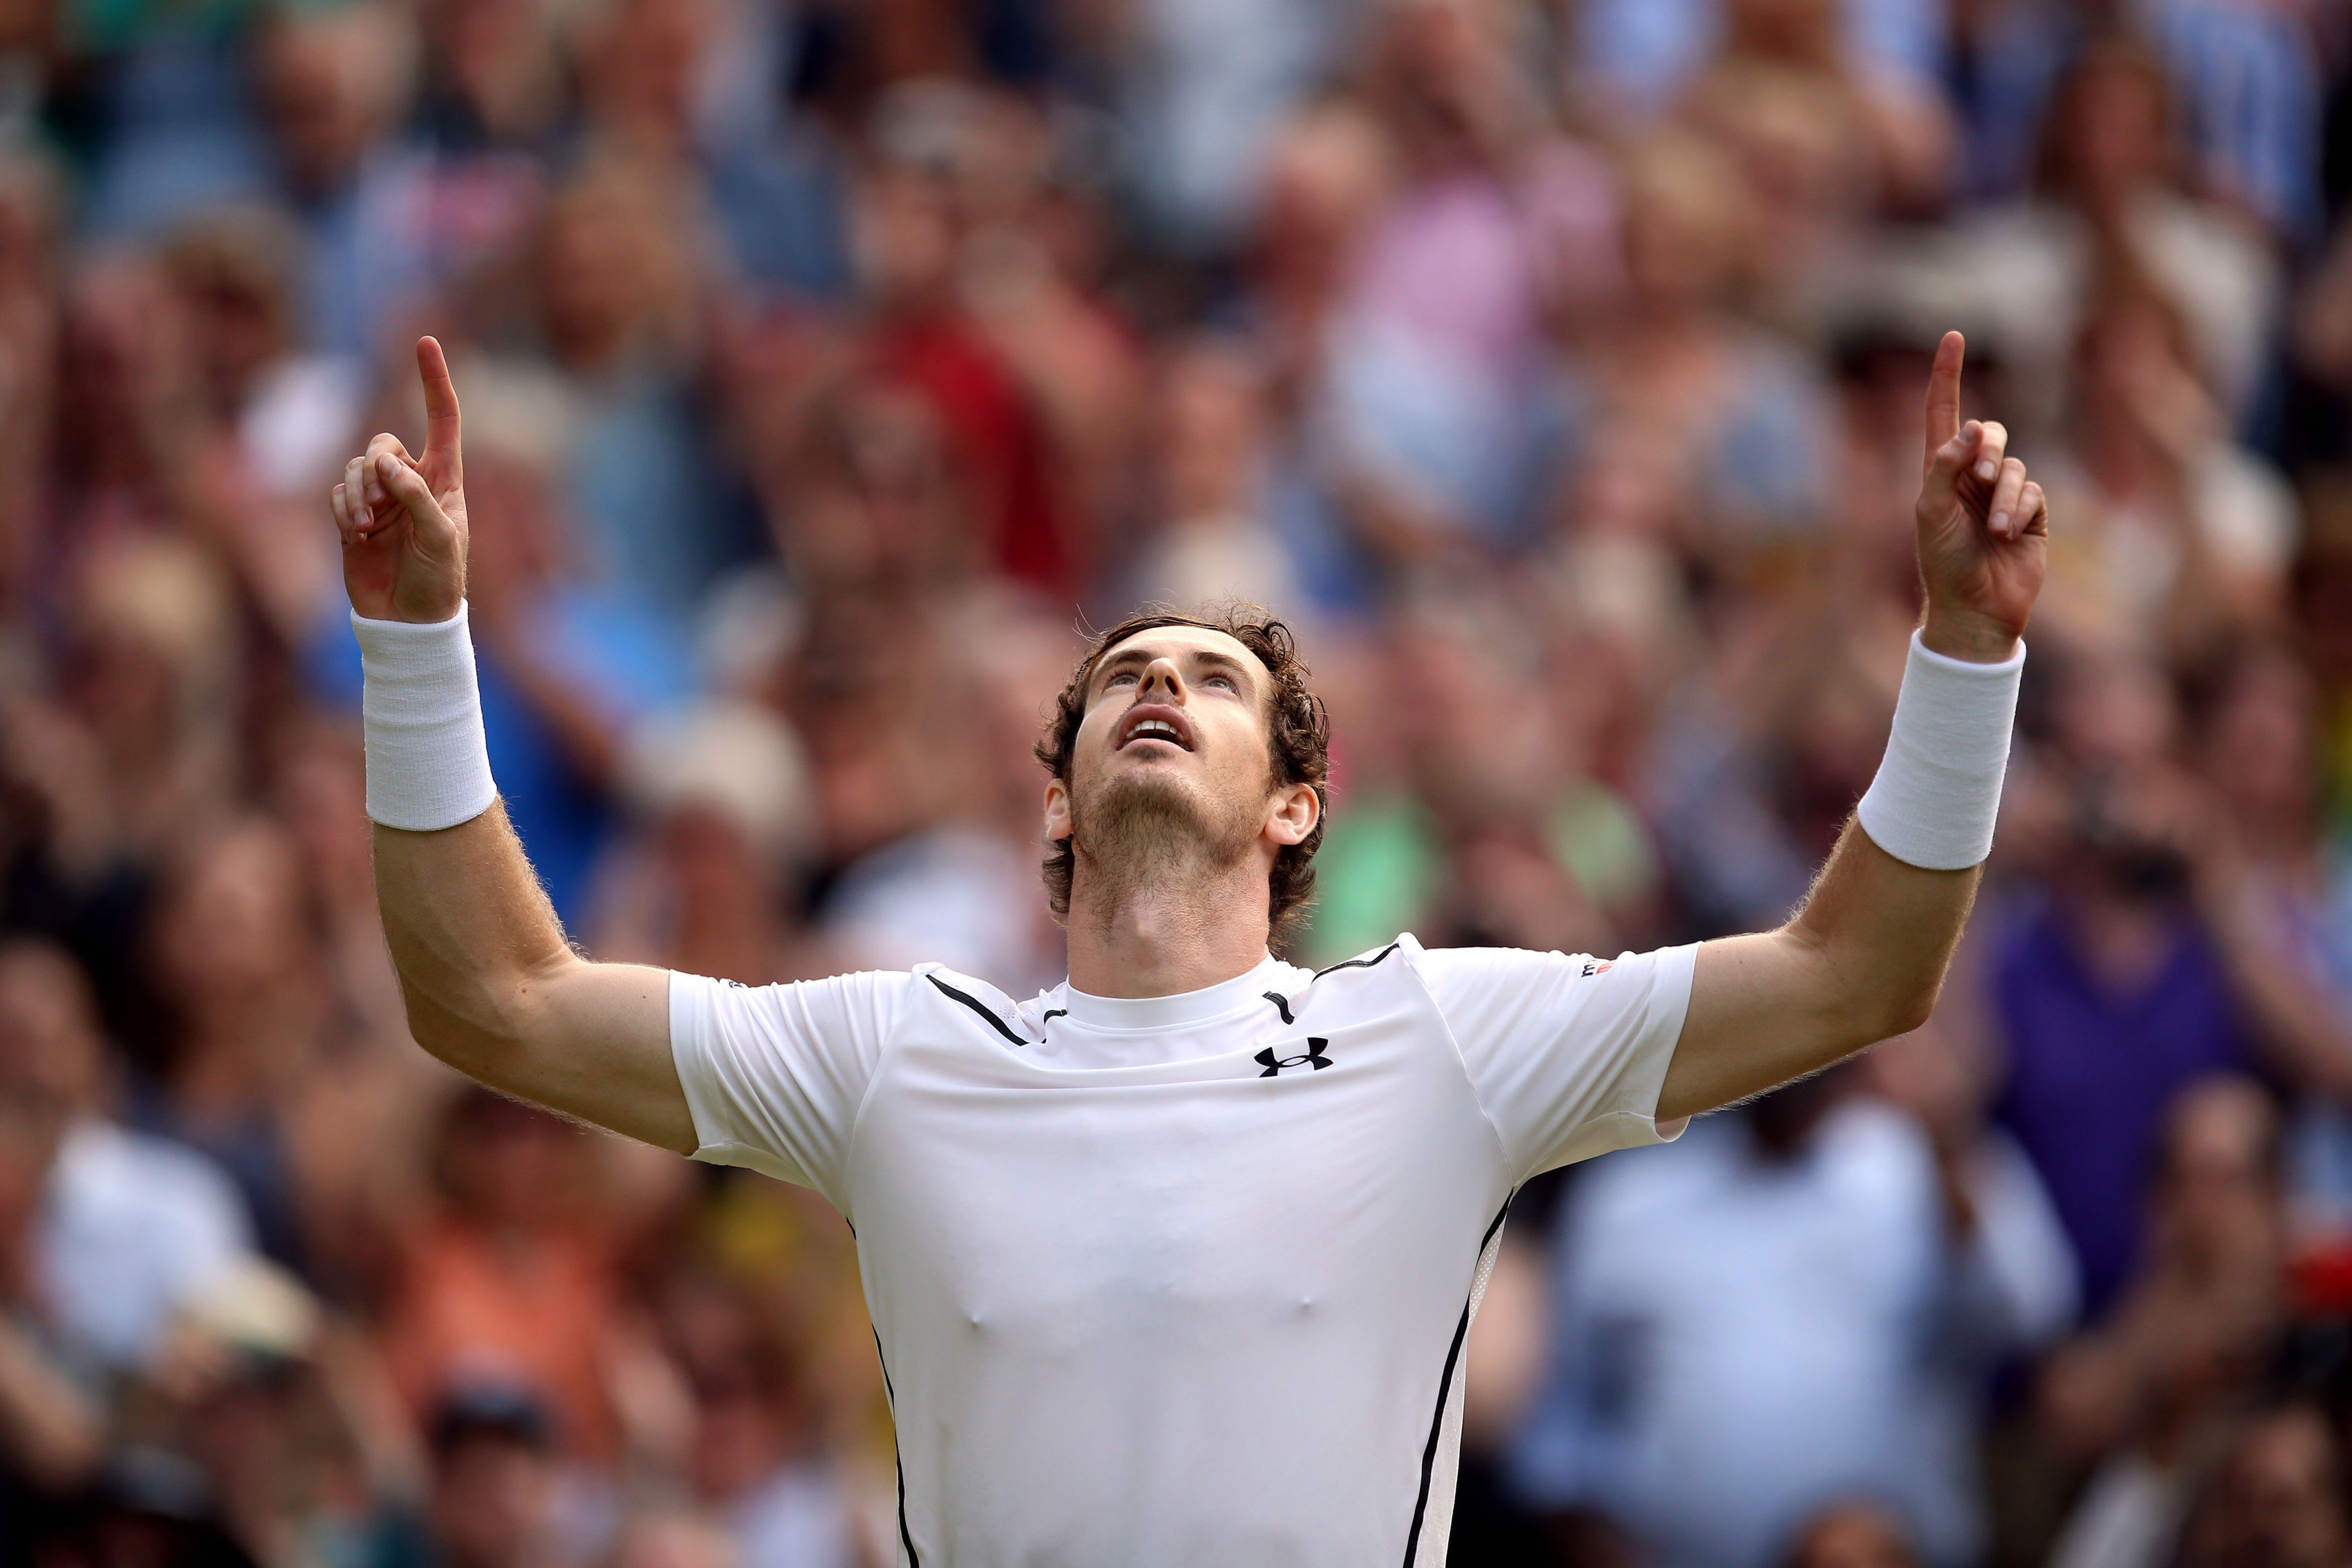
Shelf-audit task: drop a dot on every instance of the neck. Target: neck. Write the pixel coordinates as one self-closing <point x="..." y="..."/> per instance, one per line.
<point x="1181" y="924"/>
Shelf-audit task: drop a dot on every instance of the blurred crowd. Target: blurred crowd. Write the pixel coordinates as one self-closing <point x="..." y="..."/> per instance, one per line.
<point x="1553" y="365"/>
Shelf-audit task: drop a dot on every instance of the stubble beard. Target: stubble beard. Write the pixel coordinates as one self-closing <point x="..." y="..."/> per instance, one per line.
<point x="1145" y="830"/>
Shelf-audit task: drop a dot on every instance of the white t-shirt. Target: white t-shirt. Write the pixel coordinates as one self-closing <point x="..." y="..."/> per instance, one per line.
<point x="1184" y="1279"/>
<point x="134" y="1228"/>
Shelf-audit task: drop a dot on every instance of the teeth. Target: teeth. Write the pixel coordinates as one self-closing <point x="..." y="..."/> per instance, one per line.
<point x="1155" y="727"/>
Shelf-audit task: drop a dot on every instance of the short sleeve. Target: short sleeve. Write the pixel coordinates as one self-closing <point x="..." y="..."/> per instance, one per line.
<point x="774" y="1074"/>
<point x="1566" y="1052"/>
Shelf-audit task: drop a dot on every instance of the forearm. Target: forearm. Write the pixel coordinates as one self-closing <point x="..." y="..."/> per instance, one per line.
<point x="1883" y="932"/>
<point x="54" y="1431"/>
<point x="471" y="934"/>
<point x="2303" y="1028"/>
<point x="490" y="985"/>
<point x="1865" y="957"/>
<point x="493" y="990"/>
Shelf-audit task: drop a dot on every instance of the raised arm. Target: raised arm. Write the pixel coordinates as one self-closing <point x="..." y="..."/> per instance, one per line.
<point x="1865" y="957"/>
<point x="492" y="987"/>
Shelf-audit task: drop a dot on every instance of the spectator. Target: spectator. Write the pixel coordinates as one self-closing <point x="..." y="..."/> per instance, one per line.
<point x="1211" y="474"/>
<point x="617" y="285"/>
<point x="2147" y="1384"/>
<point x="493" y="1499"/>
<point x="234" y="968"/>
<point x="51" y="1428"/>
<point x="130" y="1230"/>
<point x="2109" y="184"/>
<point x="1433" y="361"/>
<point x="2108" y="993"/>
<point x="2250" y="82"/>
<point x="1780" y="1310"/>
<point x="2183" y="535"/>
<point x="1680" y="367"/>
<point x="724" y="793"/>
<point x="2277" y="1500"/>
<point x="333" y="83"/>
<point x="1852" y="1535"/>
<point x="944" y="152"/>
<point x="754" y="1459"/>
<point x="512" y="1284"/>
<point x="1553" y="368"/>
<point x="1494" y="840"/>
<point x="2274" y="888"/>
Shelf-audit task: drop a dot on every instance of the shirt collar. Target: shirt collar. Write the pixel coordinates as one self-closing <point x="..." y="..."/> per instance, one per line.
<point x="1169" y="1012"/>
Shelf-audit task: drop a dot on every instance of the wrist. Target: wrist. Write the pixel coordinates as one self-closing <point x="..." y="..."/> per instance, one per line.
<point x="428" y="763"/>
<point x="1937" y="792"/>
<point x="1970" y="636"/>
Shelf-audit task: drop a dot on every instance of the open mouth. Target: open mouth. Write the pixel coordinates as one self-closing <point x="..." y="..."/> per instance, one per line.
<point x="1155" y="722"/>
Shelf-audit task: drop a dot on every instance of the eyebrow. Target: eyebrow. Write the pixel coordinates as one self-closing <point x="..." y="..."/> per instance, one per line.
<point x="1209" y="656"/>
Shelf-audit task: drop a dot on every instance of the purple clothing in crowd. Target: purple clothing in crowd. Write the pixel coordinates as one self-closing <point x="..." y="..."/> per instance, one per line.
<point x="2091" y="1072"/>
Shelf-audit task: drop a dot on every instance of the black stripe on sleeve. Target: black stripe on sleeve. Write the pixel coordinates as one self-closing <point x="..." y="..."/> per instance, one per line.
<point x="906" y="1536"/>
<point x="978" y="1006"/>
<point x="1445" y="1387"/>
<point x="1362" y="962"/>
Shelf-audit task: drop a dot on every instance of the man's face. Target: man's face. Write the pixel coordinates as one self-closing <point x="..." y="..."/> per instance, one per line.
<point x="1175" y="734"/>
<point x="489" y="1503"/>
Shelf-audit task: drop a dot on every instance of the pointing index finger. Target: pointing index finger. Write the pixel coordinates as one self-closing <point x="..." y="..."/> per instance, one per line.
<point x="442" y="428"/>
<point x="1943" y="392"/>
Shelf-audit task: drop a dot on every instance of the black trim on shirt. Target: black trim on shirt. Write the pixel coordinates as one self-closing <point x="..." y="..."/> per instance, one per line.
<point x="1056" y="1013"/>
<point x="978" y="1006"/>
<point x="906" y="1536"/>
<point x="1361" y="963"/>
<point x="1445" y="1382"/>
<point x="1281" y="1006"/>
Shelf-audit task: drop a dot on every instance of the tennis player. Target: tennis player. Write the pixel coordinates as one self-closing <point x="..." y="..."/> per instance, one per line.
<point x="1173" y="1265"/>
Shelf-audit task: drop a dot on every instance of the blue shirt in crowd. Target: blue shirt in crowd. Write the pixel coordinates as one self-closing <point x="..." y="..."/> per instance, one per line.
<point x="2092" y="1071"/>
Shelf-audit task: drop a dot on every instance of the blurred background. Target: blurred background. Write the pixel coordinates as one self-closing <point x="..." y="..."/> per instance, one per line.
<point x="1555" y="365"/>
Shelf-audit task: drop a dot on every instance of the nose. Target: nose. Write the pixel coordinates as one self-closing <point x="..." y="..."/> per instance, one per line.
<point x="1161" y="682"/>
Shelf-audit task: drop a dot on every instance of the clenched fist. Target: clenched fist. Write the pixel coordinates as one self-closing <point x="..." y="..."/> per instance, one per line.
<point x="403" y="520"/>
<point x="1984" y="527"/>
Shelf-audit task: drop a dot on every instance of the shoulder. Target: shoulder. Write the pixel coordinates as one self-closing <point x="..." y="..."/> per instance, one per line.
<point x="986" y="1004"/>
<point x="1404" y="944"/>
<point x="863" y="1005"/>
<point x="1375" y="969"/>
<point x="734" y="996"/>
<point x="1485" y="971"/>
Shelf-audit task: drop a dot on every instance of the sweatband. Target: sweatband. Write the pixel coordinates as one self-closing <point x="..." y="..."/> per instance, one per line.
<point x="428" y="766"/>
<point x="1938" y="787"/>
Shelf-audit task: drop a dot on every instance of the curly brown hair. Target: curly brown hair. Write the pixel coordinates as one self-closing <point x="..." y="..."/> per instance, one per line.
<point x="1297" y="732"/>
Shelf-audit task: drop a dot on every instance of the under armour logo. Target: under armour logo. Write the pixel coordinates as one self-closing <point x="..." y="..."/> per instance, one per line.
<point x="1313" y="1059"/>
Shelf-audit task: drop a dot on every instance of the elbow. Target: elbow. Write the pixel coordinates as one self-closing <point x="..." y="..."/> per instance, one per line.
<point x="1905" y="1009"/>
<point x="1859" y="1015"/>
<point x="455" y="1034"/>
<point x="1862" y="1004"/>
<point x="480" y="1027"/>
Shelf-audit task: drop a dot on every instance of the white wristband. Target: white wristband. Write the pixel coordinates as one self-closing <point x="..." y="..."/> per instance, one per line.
<point x="428" y="766"/>
<point x="1939" y="788"/>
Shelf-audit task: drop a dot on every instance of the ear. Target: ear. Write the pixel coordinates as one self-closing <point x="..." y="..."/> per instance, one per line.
<point x="1058" y="810"/>
<point x="1294" y="813"/>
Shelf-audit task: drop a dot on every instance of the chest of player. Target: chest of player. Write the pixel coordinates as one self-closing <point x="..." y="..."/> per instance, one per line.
<point x="1301" y="1170"/>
